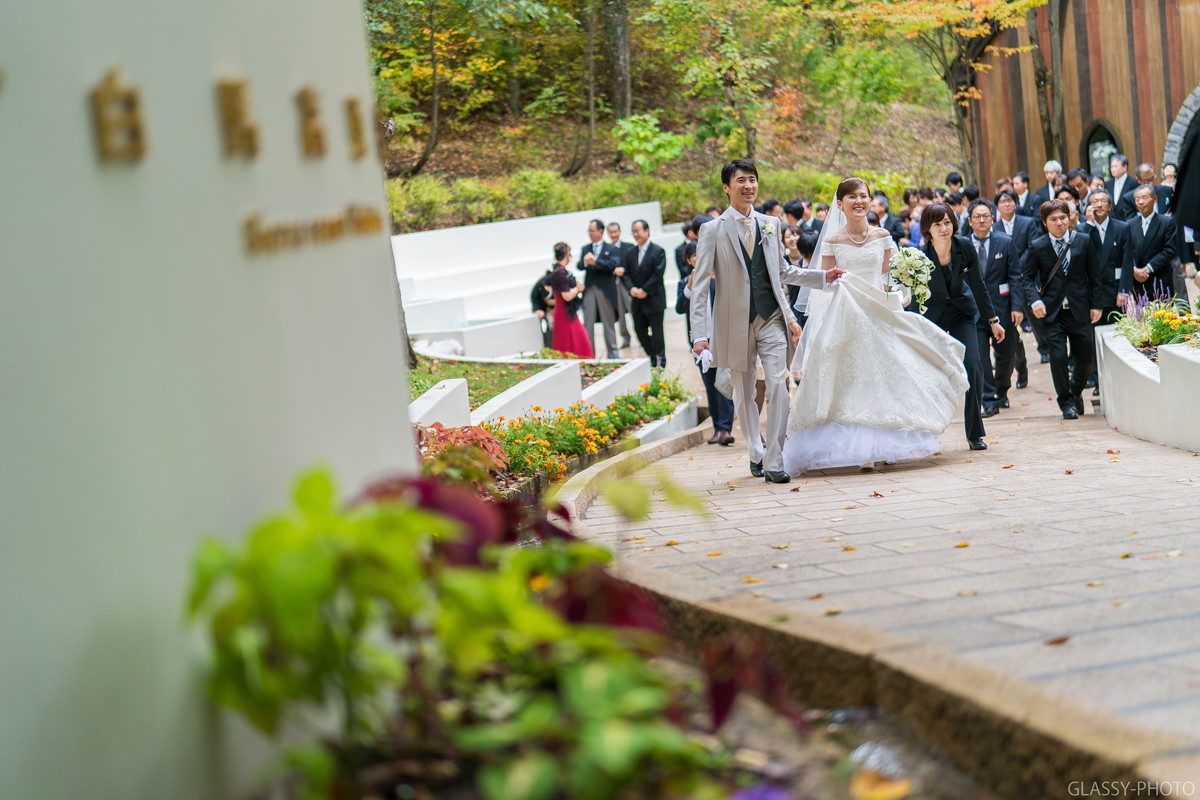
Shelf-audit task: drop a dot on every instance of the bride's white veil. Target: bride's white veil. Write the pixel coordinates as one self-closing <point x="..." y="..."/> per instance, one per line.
<point x="835" y="220"/>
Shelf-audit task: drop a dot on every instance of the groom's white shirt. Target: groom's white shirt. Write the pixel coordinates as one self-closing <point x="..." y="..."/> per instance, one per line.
<point x="719" y="255"/>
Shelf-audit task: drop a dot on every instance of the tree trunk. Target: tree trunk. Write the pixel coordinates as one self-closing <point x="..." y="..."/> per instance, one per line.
<point x="617" y="17"/>
<point x="579" y="159"/>
<point x="1056" y="9"/>
<point x="510" y="52"/>
<point x="739" y="110"/>
<point x="435" y="96"/>
<point x="1043" y="78"/>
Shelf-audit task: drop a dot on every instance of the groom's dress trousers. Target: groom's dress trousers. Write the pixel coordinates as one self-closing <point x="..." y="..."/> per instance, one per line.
<point x="954" y="311"/>
<point x="745" y="323"/>
<point x="1069" y="293"/>
<point x="600" y="293"/>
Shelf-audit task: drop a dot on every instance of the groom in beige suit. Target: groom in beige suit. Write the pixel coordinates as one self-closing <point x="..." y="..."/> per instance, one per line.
<point x="750" y="319"/>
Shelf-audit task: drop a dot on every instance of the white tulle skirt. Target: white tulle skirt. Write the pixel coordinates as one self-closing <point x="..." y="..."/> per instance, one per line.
<point x="874" y="382"/>
<point x="838" y="444"/>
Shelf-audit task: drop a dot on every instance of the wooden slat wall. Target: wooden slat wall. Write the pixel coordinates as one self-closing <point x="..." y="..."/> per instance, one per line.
<point x="1128" y="63"/>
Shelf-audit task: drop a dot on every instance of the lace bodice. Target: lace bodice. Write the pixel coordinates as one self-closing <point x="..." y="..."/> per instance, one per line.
<point x="864" y="261"/>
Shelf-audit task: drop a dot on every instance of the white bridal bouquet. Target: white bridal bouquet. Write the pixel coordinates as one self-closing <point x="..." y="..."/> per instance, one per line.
<point x="911" y="269"/>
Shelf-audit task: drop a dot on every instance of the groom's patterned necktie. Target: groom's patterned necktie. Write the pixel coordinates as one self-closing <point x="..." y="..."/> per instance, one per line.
<point x="747" y="235"/>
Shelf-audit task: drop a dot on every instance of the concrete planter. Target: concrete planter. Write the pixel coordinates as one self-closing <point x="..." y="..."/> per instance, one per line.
<point x="554" y="387"/>
<point x="447" y="402"/>
<point x="1147" y="400"/>
<point x="624" y="380"/>
<point x="685" y="417"/>
<point x="480" y="340"/>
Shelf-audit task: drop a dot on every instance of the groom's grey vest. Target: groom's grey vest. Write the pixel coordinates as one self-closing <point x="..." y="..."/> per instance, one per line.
<point x="763" y="302"/>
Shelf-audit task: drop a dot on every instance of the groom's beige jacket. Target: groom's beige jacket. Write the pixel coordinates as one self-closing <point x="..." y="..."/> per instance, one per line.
<point x="719" y="255"/>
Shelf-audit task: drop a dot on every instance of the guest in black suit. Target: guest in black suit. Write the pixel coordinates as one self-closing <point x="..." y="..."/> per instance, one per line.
<point x="720" y="407"/>
<point x="1063" y="281"/>
<point x="539" y="301"/>
<point x="1121" y="181"/>
<point x="644" y="267"/>
<point x="1052" y="170"/>
<point x="1080" y="181"/>
<point x="614" y="238"/>
<point x="1027" y="201"/>
<point x="1000" y="269"/>
<point x="955" y="310"/>
<point x="1114" y="254"/>
<point x="954" y="182"/>
<point x="600" y="262"/>
<point x="1126" y="207"/>
<point x="1153" y="238"/>
<point x="1021" y="230"/>
<point x="887" y="220"/>
<point x="689" y="235"/>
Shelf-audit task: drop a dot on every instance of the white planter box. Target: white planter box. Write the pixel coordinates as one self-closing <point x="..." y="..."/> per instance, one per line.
<point x="448" y="402"/>
<point x="487" y="340"/>
<point x="624" y="380"/>
<point x="1147" y="400"/>
<point x="683" y="418"/>
<point x="554" y="387"/>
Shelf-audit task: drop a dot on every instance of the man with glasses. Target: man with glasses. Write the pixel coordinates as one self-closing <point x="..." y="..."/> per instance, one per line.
<point x="1000" y="267"/>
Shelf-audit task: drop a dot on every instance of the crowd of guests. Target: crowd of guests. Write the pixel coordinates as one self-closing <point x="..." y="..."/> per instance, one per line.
<point x="1056" y="261"/>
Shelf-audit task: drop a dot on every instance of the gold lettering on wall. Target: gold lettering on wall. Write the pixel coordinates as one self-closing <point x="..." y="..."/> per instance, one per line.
<point x="117" y="120"/>
<point x="354" y="127"/>
<point x="238" y="132"/>
<point x="312" y="132"/>
<point x="262" y="238"/>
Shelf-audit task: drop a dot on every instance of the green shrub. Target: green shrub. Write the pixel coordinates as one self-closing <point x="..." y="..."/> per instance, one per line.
<point x="605" y="191"/>
<point x="418" y="203"/>
<point x="541" y="191"/>
<point x="474" y="200"/>
<point x="642" y="139"/>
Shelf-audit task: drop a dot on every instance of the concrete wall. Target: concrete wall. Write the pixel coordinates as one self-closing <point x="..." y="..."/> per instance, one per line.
<point x="624" y="380"/>
<point x="487" y="340"/>
<point x="1149" y="401"/>
<point x="160" y="383"/>
<point x="555" y="387"/>
<point x="447" y="402"/>
<point x="492" y="266"/>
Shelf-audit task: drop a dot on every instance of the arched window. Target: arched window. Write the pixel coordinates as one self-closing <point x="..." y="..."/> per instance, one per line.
<point x="1100" y="143"/>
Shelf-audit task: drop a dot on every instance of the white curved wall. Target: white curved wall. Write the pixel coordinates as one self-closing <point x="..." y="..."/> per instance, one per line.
<point x="158" y="383"/>
<point x="1147" y="400"/>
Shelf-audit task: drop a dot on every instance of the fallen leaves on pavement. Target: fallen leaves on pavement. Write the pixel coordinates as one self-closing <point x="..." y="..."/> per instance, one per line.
<point x="867" y="784"/>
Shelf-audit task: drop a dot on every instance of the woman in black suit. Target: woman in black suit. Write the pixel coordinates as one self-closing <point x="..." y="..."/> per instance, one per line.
<point x="951" y="308"/>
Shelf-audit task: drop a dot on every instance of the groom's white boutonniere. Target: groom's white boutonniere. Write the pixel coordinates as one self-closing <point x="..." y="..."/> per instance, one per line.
<point x="768" y="229"/>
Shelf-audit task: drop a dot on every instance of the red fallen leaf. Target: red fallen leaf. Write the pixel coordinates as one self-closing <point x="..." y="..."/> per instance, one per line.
<point x="796" y="489"/>
<point x="1058" y="640"/>
<point x="816" y="596"/>
<point x="1068" y="472"/>
<point x="1008" y="466"/>
<point x="875" y="494"/>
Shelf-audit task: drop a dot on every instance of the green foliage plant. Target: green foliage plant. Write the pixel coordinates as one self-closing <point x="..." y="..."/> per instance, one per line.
<point x="451" y="657"/>
<point x="642" y="139"/>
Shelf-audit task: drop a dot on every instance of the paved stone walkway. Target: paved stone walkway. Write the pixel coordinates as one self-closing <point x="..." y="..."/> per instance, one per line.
<point x="1060" y="530"/>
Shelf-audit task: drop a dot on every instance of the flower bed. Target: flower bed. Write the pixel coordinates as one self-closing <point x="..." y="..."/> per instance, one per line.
<point x="1149" y="324"/>
<point x="515" y="451"/>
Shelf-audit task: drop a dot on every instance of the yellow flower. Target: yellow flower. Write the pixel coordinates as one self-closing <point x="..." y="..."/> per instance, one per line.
<point x="536" y="408"/>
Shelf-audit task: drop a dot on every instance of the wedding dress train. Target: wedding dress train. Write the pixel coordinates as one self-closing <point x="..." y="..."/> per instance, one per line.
<point x="875" y="382"/>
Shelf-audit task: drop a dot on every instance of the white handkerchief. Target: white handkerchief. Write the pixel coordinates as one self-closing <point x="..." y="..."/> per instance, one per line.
<point x="704" y="360"/>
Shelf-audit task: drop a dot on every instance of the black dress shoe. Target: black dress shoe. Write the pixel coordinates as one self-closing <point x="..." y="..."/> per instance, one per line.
<point x="1090" y="383"/>
<point x="1046" y="358"/>
<point x="1069" y="412"/>
<point x="726" y="438"/>
<point x="756" y="469"/>
<point x="990" y="410"/>
<point x="778" y="477"/>
<point x="977" y="444"/>
<point x="1078" y="403"/>
<point x="1003" y="401"/>
<point x="715" y="438"/>
<point x="1096" y="392"/>
<point x="1022" y="382"/>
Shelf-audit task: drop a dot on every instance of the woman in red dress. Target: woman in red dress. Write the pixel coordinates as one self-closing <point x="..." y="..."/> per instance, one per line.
<point x="567" y="333"/>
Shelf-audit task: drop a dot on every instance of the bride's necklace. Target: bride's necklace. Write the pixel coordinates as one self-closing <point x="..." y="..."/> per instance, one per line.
<point x="854" y="241"/>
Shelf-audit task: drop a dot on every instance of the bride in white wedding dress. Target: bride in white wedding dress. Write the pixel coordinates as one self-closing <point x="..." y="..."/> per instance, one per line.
<point x="875" y="382"/>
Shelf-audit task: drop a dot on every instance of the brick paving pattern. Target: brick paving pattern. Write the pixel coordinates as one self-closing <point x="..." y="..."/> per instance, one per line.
<point x="1059" y="529"/>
